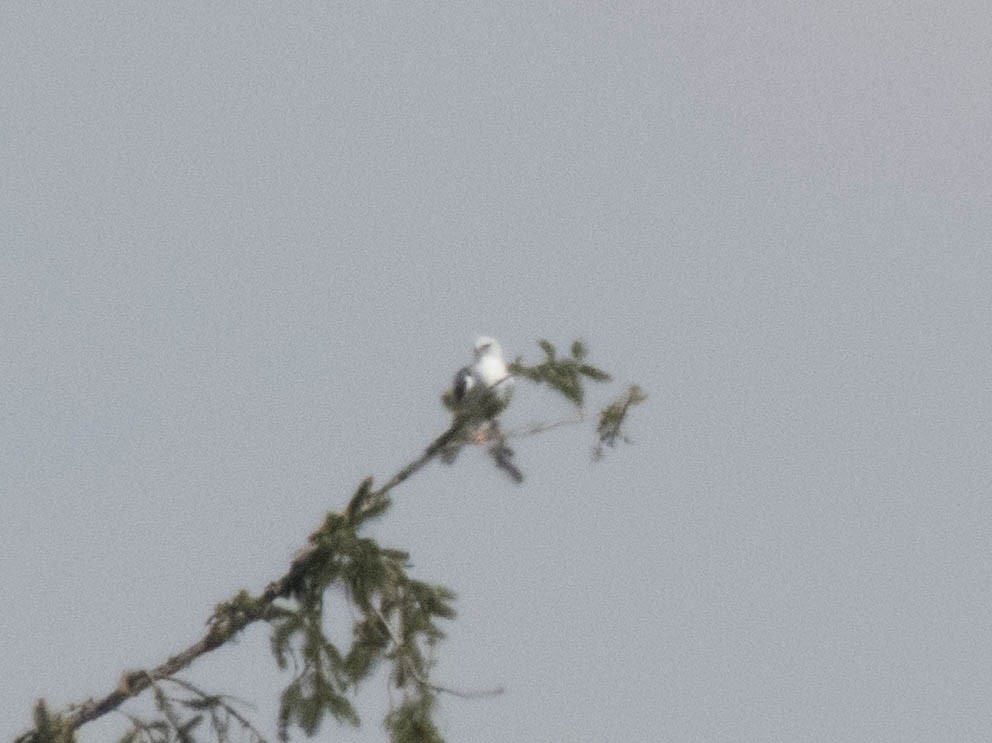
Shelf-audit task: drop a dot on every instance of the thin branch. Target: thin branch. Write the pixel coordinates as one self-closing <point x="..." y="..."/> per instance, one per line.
<point x="430" y="452"/>
<point x="165" y="706"/>
<point x="221" y="700"/>
<point x="134" y="683"/>
<point x="138" y="724"/>
<point x="470" y="694"/>
<point x="415" y="672"/>
<point x="542" y="427"/>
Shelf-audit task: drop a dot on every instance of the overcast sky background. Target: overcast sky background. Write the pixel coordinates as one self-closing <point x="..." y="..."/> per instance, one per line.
<point x="242" y="250"/>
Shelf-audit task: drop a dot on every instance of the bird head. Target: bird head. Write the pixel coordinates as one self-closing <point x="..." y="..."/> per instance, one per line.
<point x="486" y="346"/>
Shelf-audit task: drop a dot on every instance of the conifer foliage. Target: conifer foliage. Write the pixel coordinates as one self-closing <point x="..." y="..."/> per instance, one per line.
<point x="397" y="617"/>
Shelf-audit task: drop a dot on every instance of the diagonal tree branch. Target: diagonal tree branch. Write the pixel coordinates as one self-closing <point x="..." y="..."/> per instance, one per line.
<point x="223" y="628"/>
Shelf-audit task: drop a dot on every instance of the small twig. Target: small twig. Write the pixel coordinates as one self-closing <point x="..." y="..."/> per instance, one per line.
<point x="139" y="725"/>
<point x="222" y="701"/>
<point x="389" y="628"/>
<point x="542" y="427"/>
<point x="165" y="704"/>
<point x="473" y="694"/>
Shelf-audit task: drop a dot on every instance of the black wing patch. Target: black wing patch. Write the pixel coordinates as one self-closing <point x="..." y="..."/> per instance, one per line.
<point x="464" y="381"/>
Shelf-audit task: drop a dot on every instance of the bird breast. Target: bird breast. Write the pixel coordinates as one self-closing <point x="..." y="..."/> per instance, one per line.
<point x="490" y="370"/>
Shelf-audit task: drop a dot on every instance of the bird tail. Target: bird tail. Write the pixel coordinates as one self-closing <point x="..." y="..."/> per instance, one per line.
<point x="503" y="456"/>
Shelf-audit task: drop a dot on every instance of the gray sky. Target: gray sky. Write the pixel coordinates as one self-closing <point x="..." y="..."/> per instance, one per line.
<point x="242" y="251"/>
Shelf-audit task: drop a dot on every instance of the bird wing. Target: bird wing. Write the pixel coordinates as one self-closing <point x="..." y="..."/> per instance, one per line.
<point x="464" y="381"/>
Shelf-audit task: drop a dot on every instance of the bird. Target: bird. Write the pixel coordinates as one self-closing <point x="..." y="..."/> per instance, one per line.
<point x="480" y="392"/>
<point x="488" y="373"/>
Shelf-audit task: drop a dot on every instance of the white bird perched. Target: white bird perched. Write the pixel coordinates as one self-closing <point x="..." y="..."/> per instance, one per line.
<point x="480" y="392"/>
<point x="489" y="372"/>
